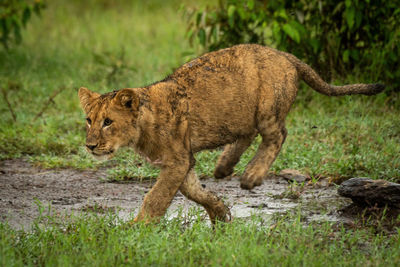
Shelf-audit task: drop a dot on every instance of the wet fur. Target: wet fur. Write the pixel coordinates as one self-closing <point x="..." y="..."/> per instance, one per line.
<point x="222" y="98"/>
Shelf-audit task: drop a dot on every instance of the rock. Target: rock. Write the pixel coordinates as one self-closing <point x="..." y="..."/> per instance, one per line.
<point x="367" y="192"/>
<point x="294" y="176"/>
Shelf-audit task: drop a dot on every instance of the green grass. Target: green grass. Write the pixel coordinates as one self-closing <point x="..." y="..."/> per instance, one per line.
<point x="129" y="44"/>
<point x="95" y="240"/>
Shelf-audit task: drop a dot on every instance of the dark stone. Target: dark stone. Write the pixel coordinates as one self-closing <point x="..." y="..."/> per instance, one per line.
<point x="294" y="176"/>
<point x="367" y="192"/>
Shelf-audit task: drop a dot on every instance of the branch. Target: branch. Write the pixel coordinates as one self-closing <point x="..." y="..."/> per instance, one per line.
<point x="48" y="102"/>
<point x="5" y="96"/>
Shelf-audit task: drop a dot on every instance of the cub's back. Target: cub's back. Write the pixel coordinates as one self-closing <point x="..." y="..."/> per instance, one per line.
<point x="224" y="90"/>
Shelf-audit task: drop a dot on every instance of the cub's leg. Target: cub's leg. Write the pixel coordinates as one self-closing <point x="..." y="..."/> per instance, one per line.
<point x="231" y="155"/>
<point x="273" y="137"/>
<point x="159" y="198"/>
<point x="192" y="189"/>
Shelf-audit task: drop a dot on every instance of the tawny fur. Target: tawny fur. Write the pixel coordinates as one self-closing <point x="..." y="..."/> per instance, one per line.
<point x="222" y="98"/>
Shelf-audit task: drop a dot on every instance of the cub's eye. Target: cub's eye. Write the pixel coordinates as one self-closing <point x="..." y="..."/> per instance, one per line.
<point x="89" y="121"/>
<point x="107" y="122"/>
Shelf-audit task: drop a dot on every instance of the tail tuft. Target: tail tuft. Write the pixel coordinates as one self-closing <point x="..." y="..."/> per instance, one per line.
<point x="375" y="88"/>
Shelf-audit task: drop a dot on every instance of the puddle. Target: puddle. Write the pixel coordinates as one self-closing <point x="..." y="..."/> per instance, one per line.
<point x="23" y="186"/>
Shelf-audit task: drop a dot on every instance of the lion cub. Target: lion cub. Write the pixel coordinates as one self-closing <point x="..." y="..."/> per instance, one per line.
<point x="222" y="98"/>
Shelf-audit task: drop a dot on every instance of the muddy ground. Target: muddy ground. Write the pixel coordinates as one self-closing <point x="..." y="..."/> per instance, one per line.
<point x="22" y="186"/>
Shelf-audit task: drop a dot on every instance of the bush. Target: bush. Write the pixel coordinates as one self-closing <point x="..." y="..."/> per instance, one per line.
<point x="337" y="38"/>
<point x="14" y="14"/>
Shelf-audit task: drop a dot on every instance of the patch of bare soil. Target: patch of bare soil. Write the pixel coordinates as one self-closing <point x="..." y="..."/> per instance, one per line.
<point x="23" y="186"/>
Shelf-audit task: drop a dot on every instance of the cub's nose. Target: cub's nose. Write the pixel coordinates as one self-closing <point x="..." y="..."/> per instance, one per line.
<point x="91" y="147"/>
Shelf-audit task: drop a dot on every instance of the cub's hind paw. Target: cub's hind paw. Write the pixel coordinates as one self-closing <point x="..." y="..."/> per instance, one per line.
<point x="222" y="172"/>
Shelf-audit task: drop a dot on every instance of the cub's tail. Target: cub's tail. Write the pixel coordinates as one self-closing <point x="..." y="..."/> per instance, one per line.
<point x="319" y="85"/>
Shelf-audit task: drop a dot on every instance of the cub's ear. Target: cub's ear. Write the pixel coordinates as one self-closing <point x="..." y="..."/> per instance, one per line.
<point x="86" y="97"/>
<point x="127" y="98"/>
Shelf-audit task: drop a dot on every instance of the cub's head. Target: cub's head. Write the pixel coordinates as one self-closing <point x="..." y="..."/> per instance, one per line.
<point x="110" y="120"/>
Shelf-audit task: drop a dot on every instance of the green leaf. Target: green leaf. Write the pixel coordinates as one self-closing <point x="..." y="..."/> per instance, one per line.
<point x="37" y="7"/>
<point x="299" y="27"/>
<point x="276" y="31"/>
<point x="358" y="18"/>
<point x="202" y="36"/>
<point x="231" y="15"/>
<point x="346" y="56"/>
<point x="231" y="10"/>
<point x="350" y="14"/>
<point x="242" y="13"/>
<point x="338" y="8"/>
<point x="292" y="32"/>
<point x="198" y="18"/>
<point x="250" y="4"/>
<point x="26" y="15"/>
<point x="315" y="44"/>
<point x="214" y="33"/>
<point x="213" y="16"/>
<point x="281" y="13"/>
<point x="355" y="54"/>
<point x="189" y="34"/>
<point x="17" y="34"/>
<point x="5" y="27"/>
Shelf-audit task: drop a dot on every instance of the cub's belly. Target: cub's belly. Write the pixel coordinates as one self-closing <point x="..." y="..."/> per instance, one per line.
<point x="207" y="132"/>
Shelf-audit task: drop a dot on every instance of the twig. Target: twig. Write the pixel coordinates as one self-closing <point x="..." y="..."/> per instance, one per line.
<point x="49" y="101"/>
<point x="8" y="104"/>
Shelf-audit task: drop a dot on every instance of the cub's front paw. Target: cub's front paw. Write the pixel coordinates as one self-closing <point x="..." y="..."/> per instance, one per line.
<point x="248" y="182"/>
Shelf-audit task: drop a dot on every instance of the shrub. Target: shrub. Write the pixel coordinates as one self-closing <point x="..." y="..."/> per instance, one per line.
<point x="337" y="38"/>
<point x="14" y="14"/>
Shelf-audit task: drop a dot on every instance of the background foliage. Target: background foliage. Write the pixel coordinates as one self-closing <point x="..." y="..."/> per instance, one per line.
<point x="14" y="15"/>
<point x="338" y="38"/>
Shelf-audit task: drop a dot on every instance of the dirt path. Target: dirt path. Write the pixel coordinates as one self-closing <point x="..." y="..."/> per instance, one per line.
<point x="68" y="190"/>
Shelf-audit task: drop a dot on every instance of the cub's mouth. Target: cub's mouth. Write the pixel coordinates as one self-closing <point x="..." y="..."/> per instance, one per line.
<point x="103" y="155"/>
